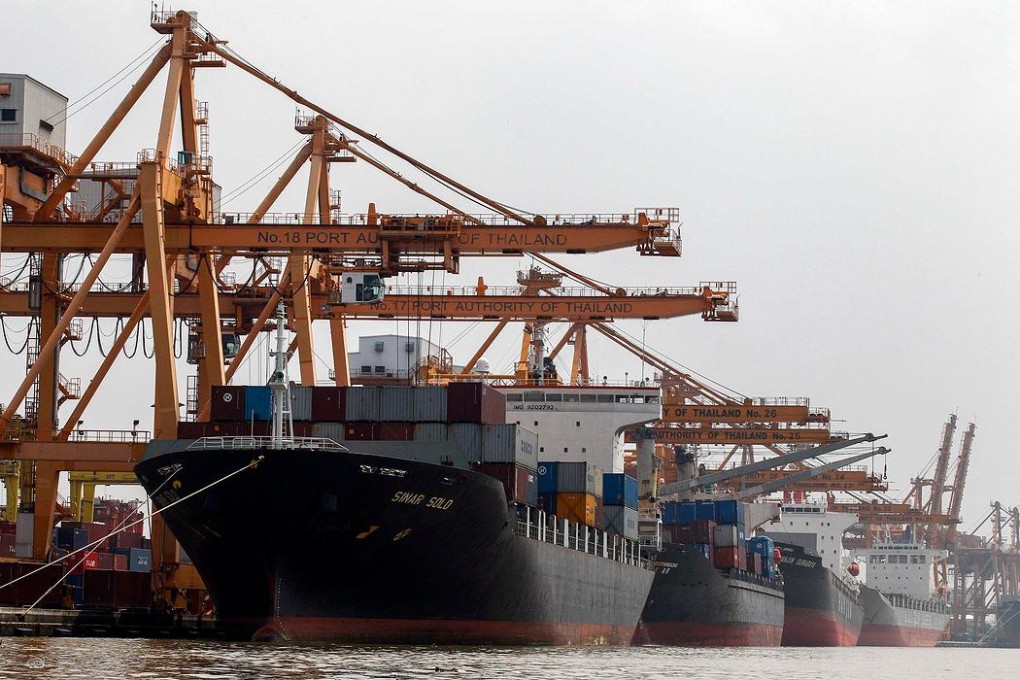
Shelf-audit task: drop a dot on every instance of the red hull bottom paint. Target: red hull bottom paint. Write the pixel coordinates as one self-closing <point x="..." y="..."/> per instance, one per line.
<point x="440" y="632"/>
<point x="816" y="628"/>
<point x="898" y="636"/>
<point x="708" y="634"/>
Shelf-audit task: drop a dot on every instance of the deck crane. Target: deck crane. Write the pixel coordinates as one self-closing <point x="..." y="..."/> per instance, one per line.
<point x="162" y="215"/>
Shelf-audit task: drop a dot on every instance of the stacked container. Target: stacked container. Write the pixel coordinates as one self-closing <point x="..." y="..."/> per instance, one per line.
<point x="763" y="547"/>
<point x="619" y="497"/>
<point x="572" y="490"/>
<point x="715" y="528"/>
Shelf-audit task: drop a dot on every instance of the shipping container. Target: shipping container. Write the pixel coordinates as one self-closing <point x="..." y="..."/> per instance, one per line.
<point x="698" y="531"/>
<point x="508" y="443"/>
<point x="475" y="402"/>
<point x="619" y="519"/>
<point x="403" y="432"/>
<point x="763" y="545"/>
<point x="729" y="512"/>
<point x="429" y="432"/>
<point x="258" y="402"/>
<point x="227" y="403"/>
<point x="8" y="527"/>
<point x="726" y="558"/>
<point x="430" y="405"/>
<point x="91" y="560"/>
<point x="334" y="431"/>
<point x="120" y="563"/>
<point x="754" y="563"/>
<point x="8" y="546"/>
<point x="35" y="581"/>
<point x="576" y="507"/>
<point x="519" y="483"/>
<point x="125" y="539"/>
<point x="619" y="489"/>
<point x="688" y="512"/>
<point x="396" y="403"/>
<point x="139" y="559"/>
<point x="361" y="431"/>
<point x="583" y="478"/>
<point x="546" y="500"/>
<point x="329" y="404"/>
<point x="362" y="404"/>
<point x="301" y="402"/>
<point x="117" y="589"/>
<point x="728" y="536"/>
<point x="467" y="437"/>
<point x="191" y="430"/>
<point x="547" y="476"/>
<point x="300" y="428"/>
<point x="705" y="510"/>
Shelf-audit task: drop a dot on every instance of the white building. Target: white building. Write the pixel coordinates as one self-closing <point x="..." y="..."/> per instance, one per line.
<point x="27" y="107"/>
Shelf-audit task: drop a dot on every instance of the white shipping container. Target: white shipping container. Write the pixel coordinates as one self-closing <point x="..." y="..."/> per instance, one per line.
<point x="301" y="402"/>
<point x="728" y="536"/>
<point x="619" y="519"/>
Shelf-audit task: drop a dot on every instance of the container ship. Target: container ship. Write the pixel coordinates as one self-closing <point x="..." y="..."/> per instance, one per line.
<point x="418" y="521"/>
<point x="1007" y="626"/>
<point x="712" y="586"/>
<point x="823" y="602"/>
<point x="903" y="607"/>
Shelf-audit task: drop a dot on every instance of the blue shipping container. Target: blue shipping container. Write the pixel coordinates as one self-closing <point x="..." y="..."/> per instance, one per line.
<point x="763" y="545"/>
<point x="619" y="489"/>
<point x="688" y="512"/>
<point x="705" y="510"/>
<point x="546" y="477"/>
<point x="729" y="512"/>
<point x="258" y="402"/>
<point x="671" y="513"/>
<point x="140" y="559"/>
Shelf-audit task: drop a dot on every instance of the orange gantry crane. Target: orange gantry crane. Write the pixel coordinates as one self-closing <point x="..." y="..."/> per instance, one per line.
<point x="159" y="209"/>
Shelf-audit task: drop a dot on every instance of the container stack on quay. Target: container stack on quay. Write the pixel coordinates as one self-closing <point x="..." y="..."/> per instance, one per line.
<point x="116" y="573"/>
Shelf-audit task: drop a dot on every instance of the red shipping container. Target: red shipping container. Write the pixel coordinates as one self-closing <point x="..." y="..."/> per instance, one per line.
<point x="515" y="479"/>
<point x="8" y="527"/>
<point x="329" y="404"/>
<point x="302" y="428"/>
<point x="361" y="431"/>
<point x="188" y="430"/>
<point x="117" y="589"/>
<point x="475" y="402"/>
<point x="726" y="558"/>
<point x="91" y="561"/>
<point x="120" y="562"/>
<point x="753" y="563"/>
<point x="395" y="431"/>
<point x="227" y="403"/>
<point x="7" y="546"/>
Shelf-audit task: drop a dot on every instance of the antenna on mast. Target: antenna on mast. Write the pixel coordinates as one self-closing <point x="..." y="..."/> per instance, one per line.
<point x="279" y="382"/>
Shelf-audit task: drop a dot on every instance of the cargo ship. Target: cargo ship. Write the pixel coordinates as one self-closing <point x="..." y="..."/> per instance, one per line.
<point x="823" y="602"/>
<point x="711" y="587"/>
<point x="903" y="607"/>
<point x="416" y="541"/>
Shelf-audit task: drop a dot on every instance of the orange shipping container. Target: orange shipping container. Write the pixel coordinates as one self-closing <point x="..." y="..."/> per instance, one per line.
<point x="576" y="507"/>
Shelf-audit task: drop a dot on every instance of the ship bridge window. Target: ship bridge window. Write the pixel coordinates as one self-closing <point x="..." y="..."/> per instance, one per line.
<point x="531" y="395"/>
<point x="513" y="397"/>
<point x="652" y="400"/>
<point x="917" y="559"/>
<point x="553" y="396"/>
<point x="877" y="559"/>
<point x="588" y="399"/>
<point x="570" y="396"/>
<point x="605" y="399"/>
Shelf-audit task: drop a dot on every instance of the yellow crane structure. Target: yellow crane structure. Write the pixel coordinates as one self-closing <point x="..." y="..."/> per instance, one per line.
<point x="158" y="208"/>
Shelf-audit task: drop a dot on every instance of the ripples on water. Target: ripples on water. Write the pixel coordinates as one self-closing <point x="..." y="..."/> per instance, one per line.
<point x="30" y="658"/>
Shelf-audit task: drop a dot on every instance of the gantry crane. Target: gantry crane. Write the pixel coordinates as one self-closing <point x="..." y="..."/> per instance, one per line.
<point x="160" y="211"/>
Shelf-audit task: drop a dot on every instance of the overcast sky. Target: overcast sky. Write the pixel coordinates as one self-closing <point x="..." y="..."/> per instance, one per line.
<point x="850" y="164"/>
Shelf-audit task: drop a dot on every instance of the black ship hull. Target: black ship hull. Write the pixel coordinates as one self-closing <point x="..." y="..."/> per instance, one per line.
<point x="821" y="609"/>
<point x="693" y="603"/>
<point x="330" y="545"/>
<point x="900" y="622"/>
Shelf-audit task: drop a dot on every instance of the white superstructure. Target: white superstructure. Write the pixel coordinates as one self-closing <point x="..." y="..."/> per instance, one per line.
<point x="901" y="569"/>
<point x="813" y="527"/>
<point x="582" y="423"/>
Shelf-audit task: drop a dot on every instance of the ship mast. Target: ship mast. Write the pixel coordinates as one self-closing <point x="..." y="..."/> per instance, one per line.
<point x="279" y="382"/>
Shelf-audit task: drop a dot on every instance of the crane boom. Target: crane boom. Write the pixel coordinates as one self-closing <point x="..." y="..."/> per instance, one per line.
<point x="960" y="481"/>
<point x="769" y="487"/>
<point x="766" y="464"/>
